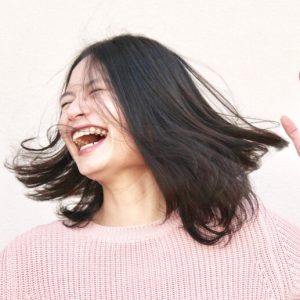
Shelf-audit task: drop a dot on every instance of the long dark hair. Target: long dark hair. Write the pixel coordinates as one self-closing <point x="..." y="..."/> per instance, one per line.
<point x="199" y="157"/>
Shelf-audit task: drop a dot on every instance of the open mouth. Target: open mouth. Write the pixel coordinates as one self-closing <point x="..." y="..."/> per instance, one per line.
<point x="88" y="137"/>
<point x="87" y="141"/>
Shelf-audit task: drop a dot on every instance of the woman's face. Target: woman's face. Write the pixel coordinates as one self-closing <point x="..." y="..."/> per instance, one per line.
<point x="82" y="106"/>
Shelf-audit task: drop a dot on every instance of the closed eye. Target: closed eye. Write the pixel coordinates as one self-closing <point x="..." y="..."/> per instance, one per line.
<point x="92" y="92"/>
<point x="95" y="91"/>
<point x="64" y="104"/>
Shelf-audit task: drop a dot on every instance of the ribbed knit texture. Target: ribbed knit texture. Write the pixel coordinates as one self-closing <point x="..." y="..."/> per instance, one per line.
<point x="152" y="261"/>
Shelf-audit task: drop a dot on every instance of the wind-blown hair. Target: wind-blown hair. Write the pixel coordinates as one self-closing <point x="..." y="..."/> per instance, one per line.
<point x="200" y="158"/>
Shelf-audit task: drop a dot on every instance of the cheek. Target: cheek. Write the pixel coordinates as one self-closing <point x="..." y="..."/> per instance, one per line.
<point x="111" y="113"/>
<point x="61" y="129"/>
<point x="128" y="150"/>
<point x="64" y="130"/>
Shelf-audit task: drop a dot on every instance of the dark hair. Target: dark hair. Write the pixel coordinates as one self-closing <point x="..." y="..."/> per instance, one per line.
<point x="199" y="157"/>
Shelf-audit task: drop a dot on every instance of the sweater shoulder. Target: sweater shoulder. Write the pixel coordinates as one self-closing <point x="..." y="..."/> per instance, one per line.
<point x="278" y="242"/>
<point x="278" y="230"/>
<point x="30" y="237"/>
<point x="268" y="226"/>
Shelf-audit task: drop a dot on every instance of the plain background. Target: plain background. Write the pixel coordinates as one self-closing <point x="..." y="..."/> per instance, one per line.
<point x="249" y="49"/>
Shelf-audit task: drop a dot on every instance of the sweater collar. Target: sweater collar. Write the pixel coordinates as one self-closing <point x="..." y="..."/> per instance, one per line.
<point x="132" y="233"/>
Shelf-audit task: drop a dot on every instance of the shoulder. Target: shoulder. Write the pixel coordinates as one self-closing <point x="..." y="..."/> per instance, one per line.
<point x="271" y="230"/>
<point x="276" y="229"/>
<point x="22" y="257"/>
<point x="32" y="237"/>
<point x="269" y="226"/>
<point x="276" y="241"/>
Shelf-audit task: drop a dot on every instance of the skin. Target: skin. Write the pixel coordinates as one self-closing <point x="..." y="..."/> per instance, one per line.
<point x="292" y="131"/>
<point x="131" y="195"/>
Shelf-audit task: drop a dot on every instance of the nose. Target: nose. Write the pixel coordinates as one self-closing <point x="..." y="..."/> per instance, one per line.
<point x="76" y="108"/>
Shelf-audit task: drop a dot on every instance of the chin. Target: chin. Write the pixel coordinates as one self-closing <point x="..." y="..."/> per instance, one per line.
<point x="90" y="171"/>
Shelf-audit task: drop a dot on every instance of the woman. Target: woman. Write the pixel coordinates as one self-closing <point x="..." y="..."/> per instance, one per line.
<point x="166" y="209"/>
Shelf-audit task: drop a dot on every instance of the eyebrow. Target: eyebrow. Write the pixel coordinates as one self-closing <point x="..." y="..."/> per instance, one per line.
<point x="68" y="93"/>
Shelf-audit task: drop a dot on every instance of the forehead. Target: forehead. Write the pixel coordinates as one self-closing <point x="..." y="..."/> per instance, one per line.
<point x="83" y="73"/>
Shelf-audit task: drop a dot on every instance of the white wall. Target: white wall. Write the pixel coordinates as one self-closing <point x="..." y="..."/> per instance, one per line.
<point x="253" y="45"/>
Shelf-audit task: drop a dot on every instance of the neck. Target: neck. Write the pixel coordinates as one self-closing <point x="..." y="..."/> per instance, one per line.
<point x="134" y="201"/>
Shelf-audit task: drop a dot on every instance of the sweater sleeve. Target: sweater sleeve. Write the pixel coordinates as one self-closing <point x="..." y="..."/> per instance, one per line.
<point x="7" y="286"/>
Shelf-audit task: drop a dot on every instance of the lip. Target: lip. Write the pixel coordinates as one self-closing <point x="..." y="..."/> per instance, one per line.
<point x="92" y="148"/>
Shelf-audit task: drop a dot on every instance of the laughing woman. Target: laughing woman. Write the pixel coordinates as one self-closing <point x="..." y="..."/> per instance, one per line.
<point x="166" y="209"/>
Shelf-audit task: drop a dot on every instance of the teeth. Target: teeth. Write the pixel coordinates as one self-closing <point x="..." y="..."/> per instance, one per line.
<point x="87" y="131"/>
<point x="88" y="145"/>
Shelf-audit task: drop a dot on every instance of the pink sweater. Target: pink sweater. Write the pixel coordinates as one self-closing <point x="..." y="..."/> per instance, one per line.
<point x="152" y="261"/>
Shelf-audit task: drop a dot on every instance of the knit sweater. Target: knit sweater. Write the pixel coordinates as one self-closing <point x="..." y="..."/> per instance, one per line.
<point x="152" y="261"/>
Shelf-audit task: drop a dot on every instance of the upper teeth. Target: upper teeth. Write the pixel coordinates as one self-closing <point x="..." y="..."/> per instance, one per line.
<point x="87" y="131"/>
